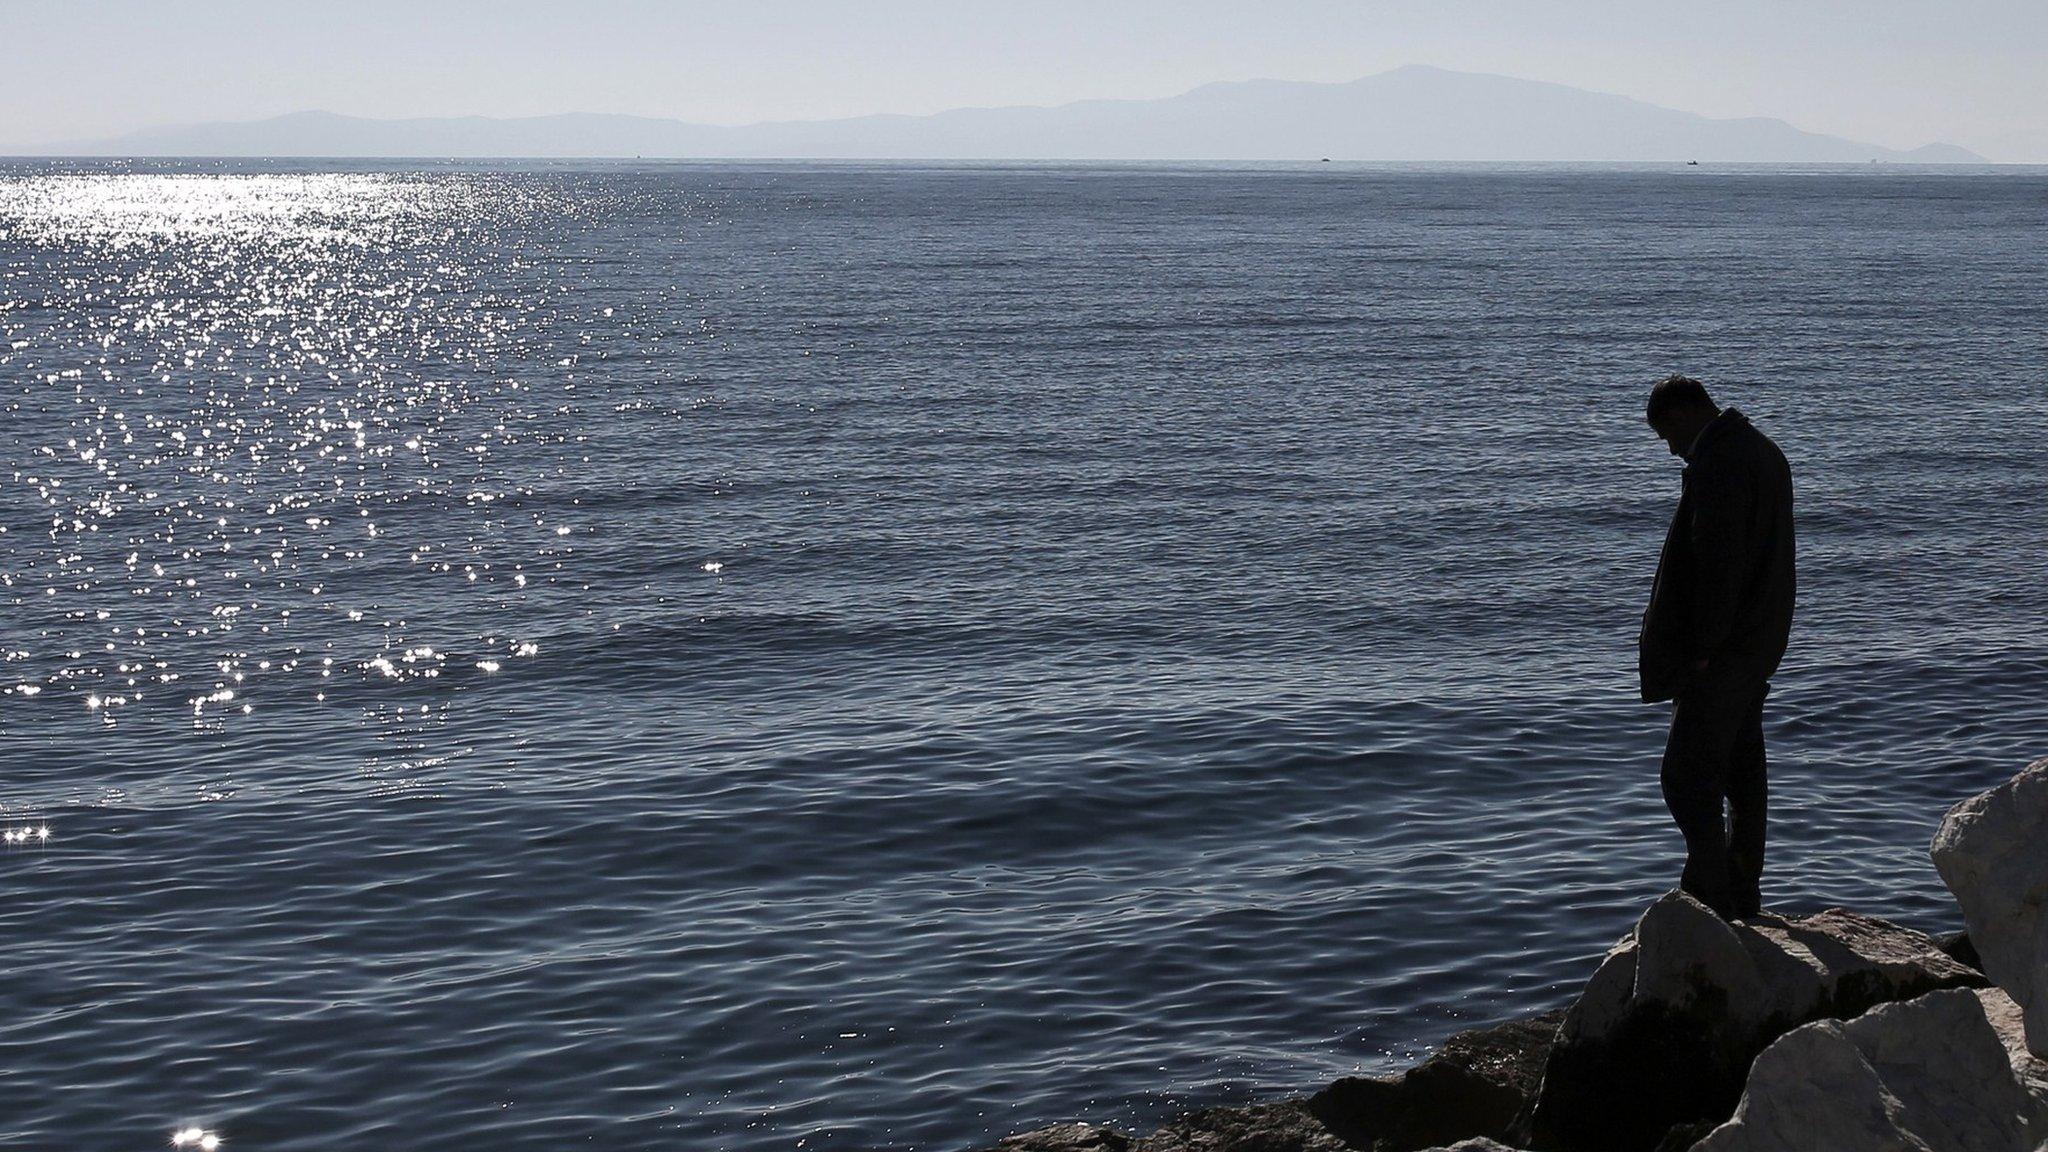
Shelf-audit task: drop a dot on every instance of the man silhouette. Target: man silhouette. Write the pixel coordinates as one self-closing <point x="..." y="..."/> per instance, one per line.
<point x="1719" y="616"/>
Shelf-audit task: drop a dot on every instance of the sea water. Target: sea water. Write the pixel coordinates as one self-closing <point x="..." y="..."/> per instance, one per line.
<point x="880" y="657"/>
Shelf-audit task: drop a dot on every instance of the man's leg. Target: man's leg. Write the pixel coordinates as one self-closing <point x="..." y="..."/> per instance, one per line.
<point x="1704" y="726"/>
<point x="1747" y="806"/>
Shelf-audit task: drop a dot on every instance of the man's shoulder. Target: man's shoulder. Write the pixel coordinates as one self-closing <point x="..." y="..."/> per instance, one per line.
<point x="1741" y="457"/>
<point x="1759" y="443"/>
<point x="1742" y="438"/>
<point x="1749" y="460"/>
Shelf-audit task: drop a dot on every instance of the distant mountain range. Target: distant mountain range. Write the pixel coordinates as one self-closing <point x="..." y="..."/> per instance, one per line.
<point x="1413" y="113"/>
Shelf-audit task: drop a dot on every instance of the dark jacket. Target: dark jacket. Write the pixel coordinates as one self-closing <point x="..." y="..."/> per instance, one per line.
<point x="1725" y="582"/>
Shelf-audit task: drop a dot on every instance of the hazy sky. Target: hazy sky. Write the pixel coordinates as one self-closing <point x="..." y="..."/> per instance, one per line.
<point x="1894" y="72"/>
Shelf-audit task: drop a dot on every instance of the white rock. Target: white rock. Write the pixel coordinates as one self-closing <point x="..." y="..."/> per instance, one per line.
<point x="1766" y="969"/>
<point x="2031" y="1070"/>
<point x="1992" y="852"/>
<point x="1605" y="1000"/>
<point x="1924" y="1075"/>
<point x="1683" y="949"/>
<point x="1665" y="1030"/>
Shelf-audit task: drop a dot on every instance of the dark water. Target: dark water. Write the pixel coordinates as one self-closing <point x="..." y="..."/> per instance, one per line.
<point x="879" y="658"/>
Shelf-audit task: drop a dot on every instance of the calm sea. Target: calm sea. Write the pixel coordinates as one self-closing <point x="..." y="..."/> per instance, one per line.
<point x="880" y="657"/>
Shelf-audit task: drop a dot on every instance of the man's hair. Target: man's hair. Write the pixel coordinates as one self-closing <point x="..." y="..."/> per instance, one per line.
<point x="1676" y="393"/>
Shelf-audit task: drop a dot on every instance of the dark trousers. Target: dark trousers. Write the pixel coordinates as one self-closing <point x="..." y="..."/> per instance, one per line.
<point x="1715" y="757"/>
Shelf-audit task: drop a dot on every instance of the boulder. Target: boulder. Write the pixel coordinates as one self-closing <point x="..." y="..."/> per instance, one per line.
<point x="1475" y="1085"/>
<point x="1683" y="1137"/>
<point x="1989" y="853"/>
<point x="1957" y="945"/>
<point x="2008" y="1022"/>
<point x="1664" y="1032"/>
<point x="1065" y="1138"/>
<point x="1285" y="1126"/>
<point x="1926" y="1075"/>
<point x="1281" y="1126"/>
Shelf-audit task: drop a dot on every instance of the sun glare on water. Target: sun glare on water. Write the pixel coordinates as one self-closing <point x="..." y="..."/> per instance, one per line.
<point x="319" y="207"/>
<point x="238" y="405"/>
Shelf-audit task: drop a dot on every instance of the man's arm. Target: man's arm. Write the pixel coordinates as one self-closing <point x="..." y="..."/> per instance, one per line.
<point x="1722" y="556"/>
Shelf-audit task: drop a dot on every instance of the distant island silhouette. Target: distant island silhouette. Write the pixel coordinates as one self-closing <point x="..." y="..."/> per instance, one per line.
<point x="1412" y="113"/>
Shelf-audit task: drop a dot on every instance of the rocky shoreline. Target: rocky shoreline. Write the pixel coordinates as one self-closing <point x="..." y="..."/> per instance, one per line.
<point x="1835" y="1031"/>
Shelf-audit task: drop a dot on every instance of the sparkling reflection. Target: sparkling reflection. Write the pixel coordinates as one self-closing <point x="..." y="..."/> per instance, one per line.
<point x="36" y="834"/>
<point x="195" y="1137"/>
<point x="238" y="404"/>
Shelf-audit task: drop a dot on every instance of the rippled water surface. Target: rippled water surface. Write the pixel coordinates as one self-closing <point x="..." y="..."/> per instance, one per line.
<point x="879" y="658"/>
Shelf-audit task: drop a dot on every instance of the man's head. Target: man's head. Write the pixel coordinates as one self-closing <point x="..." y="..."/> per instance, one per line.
<point x="1679" y="408"/>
